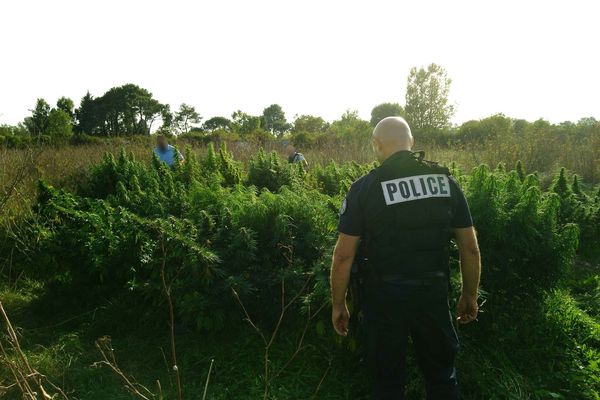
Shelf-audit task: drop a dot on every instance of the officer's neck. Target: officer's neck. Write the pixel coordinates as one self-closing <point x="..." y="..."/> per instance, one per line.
<point x="394" y="151"/>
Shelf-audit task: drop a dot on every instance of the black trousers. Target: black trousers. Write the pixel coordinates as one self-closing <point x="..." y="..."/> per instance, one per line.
<point x="394" y="311"/>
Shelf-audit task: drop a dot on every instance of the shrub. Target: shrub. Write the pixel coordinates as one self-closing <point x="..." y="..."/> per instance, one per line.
<point x="268" y="171"/>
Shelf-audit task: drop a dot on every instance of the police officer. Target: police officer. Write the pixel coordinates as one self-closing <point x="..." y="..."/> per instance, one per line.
<point x="403" y="215"/>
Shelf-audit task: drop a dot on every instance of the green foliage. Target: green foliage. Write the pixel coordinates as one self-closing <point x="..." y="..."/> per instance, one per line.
<point x="59" y="124"/>
<point x="273" y="120"/>
<point x="269" y="171"/>
<point x="123" y="110"/>
<point x="185" y="117"/>
<point x="37" y="123"/>
<point x="212" y="225"/>
<point x="334" y="179"/>
<point x="385" y="110"/>
<point x="428" y="108"/>
<point x="520" y="170"/>
<point x="351" y="127"/>
<point x="517" y="214"/>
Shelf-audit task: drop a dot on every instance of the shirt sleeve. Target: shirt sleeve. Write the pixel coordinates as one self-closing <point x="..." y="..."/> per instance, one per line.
<point x="462" y="215"/>
<point x="351" y="214"/>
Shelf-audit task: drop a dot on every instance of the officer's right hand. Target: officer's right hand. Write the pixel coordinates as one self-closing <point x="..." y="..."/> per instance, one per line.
<point x="340" y="318"/>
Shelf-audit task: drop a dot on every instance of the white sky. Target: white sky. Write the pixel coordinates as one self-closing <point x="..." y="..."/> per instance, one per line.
<point x="527" y="59"/>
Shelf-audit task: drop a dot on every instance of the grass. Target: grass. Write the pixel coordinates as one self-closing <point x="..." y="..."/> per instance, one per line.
<point x="65" y="166"/>
<point x="520" y="353"/>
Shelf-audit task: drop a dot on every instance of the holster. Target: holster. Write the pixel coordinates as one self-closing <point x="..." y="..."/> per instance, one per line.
<point x="357" y="291"/>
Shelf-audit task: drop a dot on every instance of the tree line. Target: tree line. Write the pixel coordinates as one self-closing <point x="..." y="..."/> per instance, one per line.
<point x="131" y="110"/>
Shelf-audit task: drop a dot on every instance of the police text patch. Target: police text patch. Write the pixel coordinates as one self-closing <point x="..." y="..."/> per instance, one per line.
<point x="415" y="188"/>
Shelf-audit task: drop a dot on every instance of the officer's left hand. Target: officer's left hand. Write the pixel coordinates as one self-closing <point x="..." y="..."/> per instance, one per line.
<point x="340" y="317"/>
<point x="467" y="309"/>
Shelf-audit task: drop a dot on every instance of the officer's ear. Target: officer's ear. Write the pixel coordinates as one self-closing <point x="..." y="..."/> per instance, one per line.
<point x="376" y="144"/>
<point x="412" y="142"/>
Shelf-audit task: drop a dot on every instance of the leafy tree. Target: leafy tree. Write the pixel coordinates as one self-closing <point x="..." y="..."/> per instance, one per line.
<point x="166" y="115"/>
<point x="185" y="117"/>
<point x="59" y="124"/>
<point x="273" y="120"/>
<point x="309" y="123"/>
<point x="244" y="123"/>
<point x="38" y="122"/>
<point x="123" y="110"/>
<point x="385" y="110"/>
<point x="67" y="105"/>
<point x="520" y="126"/>
<point x="351" y="126"/>
<point x="427" y="105"/>
<point x="215" y="123"/>
<point x="488" y="128"/>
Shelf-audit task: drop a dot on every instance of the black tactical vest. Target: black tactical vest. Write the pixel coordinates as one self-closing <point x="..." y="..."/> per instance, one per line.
<point x="408" y="210"/>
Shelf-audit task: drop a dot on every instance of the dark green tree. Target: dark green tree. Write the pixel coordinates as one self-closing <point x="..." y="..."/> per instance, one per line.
<point x="385" y="110"/>
<point x="215" y="123"/>
<point x="67" y="105"/>
<point x="37" y="123"/>
<point x="309" y="123"/>
<point x="244" y="123"/>
<point x="88" y="115"/>
<point x="186" y="117"/>
<point x="273" y="120"/>
<point x="123" y="110"/>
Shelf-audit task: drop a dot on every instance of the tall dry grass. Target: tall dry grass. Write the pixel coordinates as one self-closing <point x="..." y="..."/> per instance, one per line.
<point x="65" y="166"/>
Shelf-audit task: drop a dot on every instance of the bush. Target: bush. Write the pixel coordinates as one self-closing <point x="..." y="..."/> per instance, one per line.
<point x="268" y="171"/>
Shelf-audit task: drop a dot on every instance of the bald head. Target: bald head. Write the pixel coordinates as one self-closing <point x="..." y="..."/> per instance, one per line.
<point x="392" y="134"/>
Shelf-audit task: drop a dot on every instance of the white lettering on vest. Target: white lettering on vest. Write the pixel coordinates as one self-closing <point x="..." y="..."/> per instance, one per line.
<point x="415" y="188"/>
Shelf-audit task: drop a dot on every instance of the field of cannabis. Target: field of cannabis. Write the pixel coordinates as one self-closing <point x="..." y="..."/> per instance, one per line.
<point x="209" y="280"/>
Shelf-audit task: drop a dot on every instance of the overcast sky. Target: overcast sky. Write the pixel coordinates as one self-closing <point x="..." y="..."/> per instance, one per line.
<point x="526" y="59"/>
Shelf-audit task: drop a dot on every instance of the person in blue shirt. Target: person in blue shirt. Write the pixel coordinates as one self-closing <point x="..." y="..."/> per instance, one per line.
<point x="294" y="156"/>
<point x="166" y="152"/>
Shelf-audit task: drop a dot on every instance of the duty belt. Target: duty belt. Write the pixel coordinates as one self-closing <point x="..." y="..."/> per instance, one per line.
<point x="412" y="279"/>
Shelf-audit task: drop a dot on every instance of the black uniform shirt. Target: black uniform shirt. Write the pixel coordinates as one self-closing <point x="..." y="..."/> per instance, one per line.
<point x="352" y="220"/>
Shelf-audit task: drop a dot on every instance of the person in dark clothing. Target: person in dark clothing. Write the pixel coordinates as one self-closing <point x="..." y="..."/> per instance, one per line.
<point x="294" y="156"/>
<point x="403" y="215"/>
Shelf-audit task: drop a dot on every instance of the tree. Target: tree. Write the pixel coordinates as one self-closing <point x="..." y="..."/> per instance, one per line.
<point x="215" y="123"/>
<point x="67" y="105"/>
<point x="351" y="126"/>
<point x="38" y="122"/>
<point x="185" y="117"/>
<point x="87" y="115"/>
<point x="244" y="123"/>
<point x="59" y="124"/>
<point x="273" y="120"/>
<point x="495" y="126"/>
<point x="385" y="110"/>
<point x="427" y="105"/>
<point x="123" y="110"/>
<point x="309" y="123"/>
